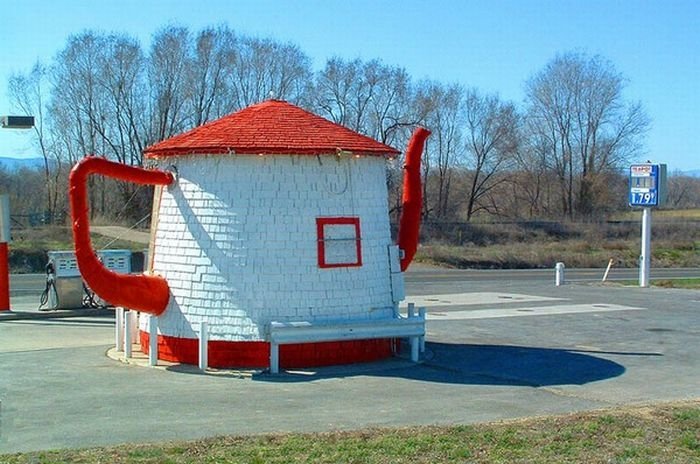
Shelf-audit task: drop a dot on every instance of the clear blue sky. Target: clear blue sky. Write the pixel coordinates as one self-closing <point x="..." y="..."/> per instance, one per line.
<point x="493" y="45"/>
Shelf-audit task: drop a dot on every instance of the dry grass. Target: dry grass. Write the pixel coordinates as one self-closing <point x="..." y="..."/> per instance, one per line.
<point x="693" y="284"/>
<point x="661" y="214"/>
<point x="667" y="433"/>
<point x="542" y="244"/>
<point x="29" y="246"/>
<point x="575" y="253"/>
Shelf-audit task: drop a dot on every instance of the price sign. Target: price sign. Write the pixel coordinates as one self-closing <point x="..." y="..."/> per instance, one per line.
<point x="647" y="185"/>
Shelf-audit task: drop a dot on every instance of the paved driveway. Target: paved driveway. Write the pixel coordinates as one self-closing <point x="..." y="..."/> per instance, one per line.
<point x="496" y="349"/>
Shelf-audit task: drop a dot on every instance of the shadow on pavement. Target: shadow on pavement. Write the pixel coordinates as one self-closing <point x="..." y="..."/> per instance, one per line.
<point x="478" y="365"/>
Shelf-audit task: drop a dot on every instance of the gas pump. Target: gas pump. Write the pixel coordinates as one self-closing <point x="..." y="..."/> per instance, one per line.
<point x="65" y="288"/>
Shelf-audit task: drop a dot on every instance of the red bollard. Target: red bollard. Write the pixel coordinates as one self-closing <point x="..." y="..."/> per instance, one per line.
<point x="4" y="278"/>
<point x="4" y="254"/>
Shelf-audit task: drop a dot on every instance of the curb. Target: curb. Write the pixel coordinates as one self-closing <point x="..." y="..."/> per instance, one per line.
<point x="54" y="314"/>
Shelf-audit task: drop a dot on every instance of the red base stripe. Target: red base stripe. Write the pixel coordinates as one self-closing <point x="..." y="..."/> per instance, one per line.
<point x="224" y="354"/>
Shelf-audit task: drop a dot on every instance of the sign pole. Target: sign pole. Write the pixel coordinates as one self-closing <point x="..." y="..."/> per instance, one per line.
<point x="647" y="189"/>
<point x="645" y="257"/>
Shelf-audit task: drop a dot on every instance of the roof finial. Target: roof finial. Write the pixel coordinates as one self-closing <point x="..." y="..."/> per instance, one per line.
<point x="272" y="95"/>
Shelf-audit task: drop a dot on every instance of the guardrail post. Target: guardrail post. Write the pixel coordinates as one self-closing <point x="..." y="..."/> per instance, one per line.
<point x="119" y="329"/>
<point x="414" y="341"/>
<point x="421" y="314"/>
<point x="415" y="346"/>
<point x="203" y="351"/>
<point x="274" y="358"/>
<point x="128" y="339"/>
<point x="153" y="340"/>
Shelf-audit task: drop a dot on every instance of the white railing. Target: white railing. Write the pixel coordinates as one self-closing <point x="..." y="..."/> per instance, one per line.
<point x="283" y="333"/>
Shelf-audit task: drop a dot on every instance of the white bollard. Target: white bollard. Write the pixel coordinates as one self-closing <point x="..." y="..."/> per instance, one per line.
<point x="559" y="274"/>
<point x="128" y="339"/>
<point x="415" y="347"/>
<point x="415" y="342"/>
<point x="153" y="340"/>
<point x="421" y="314"/>
<point x="274" y="358"/>
<point x="203" y="351"/>
<point x="135" y="326"/>
<point x="119" y="329"/>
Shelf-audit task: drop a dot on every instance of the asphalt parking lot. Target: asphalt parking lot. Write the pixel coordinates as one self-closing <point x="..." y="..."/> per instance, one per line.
<point x="498" y="348"/>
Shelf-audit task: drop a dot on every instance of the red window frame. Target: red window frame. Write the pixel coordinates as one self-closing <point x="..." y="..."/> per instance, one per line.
<point x="324" y="221"/>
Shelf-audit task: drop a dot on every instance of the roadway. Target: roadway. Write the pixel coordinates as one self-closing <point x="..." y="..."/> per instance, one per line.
<point x="33" y="284"/>
<point x="423" y="274"/>
<point x="500" y="345"/>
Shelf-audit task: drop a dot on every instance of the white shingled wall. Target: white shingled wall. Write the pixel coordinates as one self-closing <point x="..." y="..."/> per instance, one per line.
<point x="237" y="241"/>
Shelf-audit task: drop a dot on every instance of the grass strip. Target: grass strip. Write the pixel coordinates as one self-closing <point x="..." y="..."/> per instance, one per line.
<point x="677" y="283"/>
<point x="667" y="433"/>
<point x="690" y="284"/>
<point x="544" y="255"/>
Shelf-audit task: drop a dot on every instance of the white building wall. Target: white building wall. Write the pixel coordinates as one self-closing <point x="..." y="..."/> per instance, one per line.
<point x="237" y="242"/>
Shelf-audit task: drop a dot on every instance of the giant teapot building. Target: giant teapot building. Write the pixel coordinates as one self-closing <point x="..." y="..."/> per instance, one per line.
<point x="274" y="214"/>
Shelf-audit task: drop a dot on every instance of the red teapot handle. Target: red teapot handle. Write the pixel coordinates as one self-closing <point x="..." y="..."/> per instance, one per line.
<point x="147" y="293"/>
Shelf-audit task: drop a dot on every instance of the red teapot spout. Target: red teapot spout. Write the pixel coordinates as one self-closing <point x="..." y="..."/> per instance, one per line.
<point x="412" y="200"/>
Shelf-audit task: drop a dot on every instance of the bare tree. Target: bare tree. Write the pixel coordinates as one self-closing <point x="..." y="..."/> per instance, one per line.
<point x="103" y="94"/>
<point x="575" y="106"/>
<point x="24" y="185"/>
<point x="76" y="90"/>
<point x="168" y="63"/>
<point x="530" y="182"/>
<point x="368" y="97"/>
<point x="441" y="111"/>
<point x="683" y="191"/>
<point x="334" y="88"/>
<point x="215" y="58"/>
<point x="491" y="133"/>
<point x="122" y="100"/>
<point x="343" y="93"/>
<point x="390" y="116"/>
<point x="29" y="93"/>
<point x="98" y="105"/>
<point x="268" y="69"/>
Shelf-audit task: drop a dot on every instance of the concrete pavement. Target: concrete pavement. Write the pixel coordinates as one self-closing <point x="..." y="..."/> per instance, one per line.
<point x="496" y="349"/>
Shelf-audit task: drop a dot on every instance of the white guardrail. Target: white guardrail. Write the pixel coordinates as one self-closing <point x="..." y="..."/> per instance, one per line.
<point x="411" y="327"/>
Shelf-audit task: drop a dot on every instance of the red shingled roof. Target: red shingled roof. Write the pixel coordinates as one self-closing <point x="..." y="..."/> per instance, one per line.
<point x="269" y="128"/>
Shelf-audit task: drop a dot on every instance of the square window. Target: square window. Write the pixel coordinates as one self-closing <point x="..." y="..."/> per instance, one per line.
<point x="339" y="242"/>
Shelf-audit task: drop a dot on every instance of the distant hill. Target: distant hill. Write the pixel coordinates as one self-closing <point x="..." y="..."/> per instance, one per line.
<point x="14" y="164"/>
<point x="693" y="173"/>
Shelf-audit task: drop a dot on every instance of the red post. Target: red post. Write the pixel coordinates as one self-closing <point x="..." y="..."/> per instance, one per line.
<point x="4" y="255"/>
<point x="4" y="278"/>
